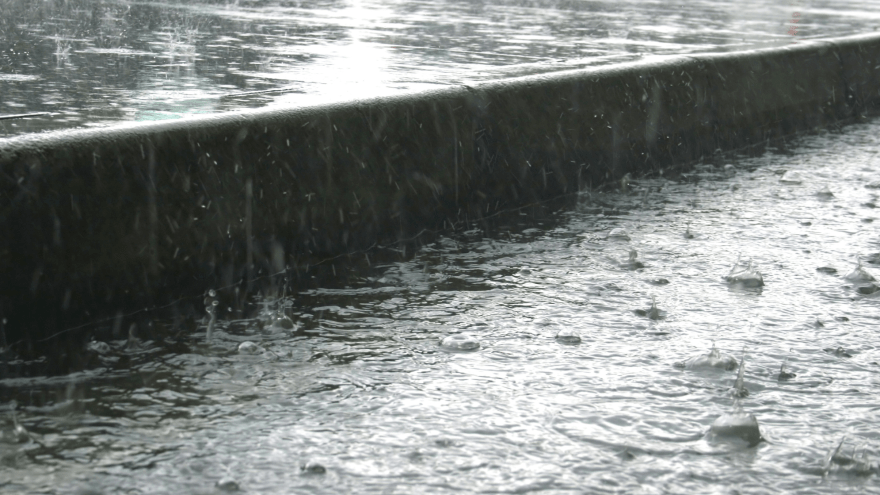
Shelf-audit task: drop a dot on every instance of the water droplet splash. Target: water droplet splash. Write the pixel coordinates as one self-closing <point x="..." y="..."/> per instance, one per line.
<point x="739" y="390"/>
<point x="745" y="276"/>
<point x="713" y="360"/>
<point x="653" y="312"/>
<point x="211" y="303"/>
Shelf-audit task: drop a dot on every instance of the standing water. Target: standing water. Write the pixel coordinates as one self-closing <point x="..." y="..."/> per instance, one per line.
<point x="94" y="62"/>
<point x="541" y="357"/>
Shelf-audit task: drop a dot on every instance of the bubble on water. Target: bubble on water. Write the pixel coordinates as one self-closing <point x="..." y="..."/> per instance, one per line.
<point x="874" y="184"/>
<point x="460" y="342"/>
<point x="738" y="424"/>
<point x="227" y="485"/>
<point x="312" y="468"/>
<point x="713" y="360"/>
<point x="792" y="177"/>
<point x="282" y="323"/>
<point x="618" y="234"/>
<point x="838" y="351"/>
<point x="248" y="347"/>
<point x="827" y="269"/>
<point x="825" y="192"/>
<point x="744" y="275"/>
<point x="568" y="336"/>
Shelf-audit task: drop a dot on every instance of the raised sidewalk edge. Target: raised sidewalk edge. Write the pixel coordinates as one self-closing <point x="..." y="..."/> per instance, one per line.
<point x="93" y="221"/>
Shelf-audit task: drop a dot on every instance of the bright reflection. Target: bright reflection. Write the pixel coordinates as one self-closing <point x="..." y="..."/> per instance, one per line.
<point x="97" y="62"/>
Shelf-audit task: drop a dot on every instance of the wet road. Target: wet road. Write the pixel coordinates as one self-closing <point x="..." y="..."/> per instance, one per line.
<point x="528" y="360"/>
<point x="94" y="62"/>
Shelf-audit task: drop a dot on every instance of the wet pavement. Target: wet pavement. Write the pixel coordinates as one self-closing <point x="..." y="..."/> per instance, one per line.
<point x="544" y="357"/>
<point x="94" y="62"/>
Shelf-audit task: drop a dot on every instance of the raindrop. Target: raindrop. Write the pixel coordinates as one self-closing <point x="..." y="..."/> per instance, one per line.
<point x="211" y="307"/>
<point x="739" y="389"/>
<point x="831" y="457"/>
<point x="133" y="343"/>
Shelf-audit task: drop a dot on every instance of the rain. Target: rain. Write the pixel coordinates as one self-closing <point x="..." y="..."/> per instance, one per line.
<point x="362" y="246"/>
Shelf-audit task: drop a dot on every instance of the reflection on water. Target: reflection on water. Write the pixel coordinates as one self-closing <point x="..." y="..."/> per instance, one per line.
<point x="90" y="62"/>
<point x="518" y="361"/>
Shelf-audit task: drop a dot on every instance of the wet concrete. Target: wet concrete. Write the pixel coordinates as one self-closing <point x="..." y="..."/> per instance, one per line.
<point x="96" y="62"/>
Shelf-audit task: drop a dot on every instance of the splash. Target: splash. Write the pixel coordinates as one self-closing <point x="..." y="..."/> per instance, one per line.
<point x="859" y="274"/>
<point x="714" y="359"/>
<point x="211" y="303"/>
<point x="744" y="275"/>
<point x="739" y="389"/>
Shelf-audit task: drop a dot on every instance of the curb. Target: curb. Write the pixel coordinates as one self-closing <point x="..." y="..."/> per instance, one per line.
<point x="96" y="220"/>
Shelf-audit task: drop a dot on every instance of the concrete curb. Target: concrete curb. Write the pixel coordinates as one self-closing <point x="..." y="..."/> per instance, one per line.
<point x="93" y="221"/>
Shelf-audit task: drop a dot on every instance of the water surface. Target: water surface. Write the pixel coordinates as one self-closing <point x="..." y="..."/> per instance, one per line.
<point x="362" y="398"/>
<point x="94" y="62"/>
